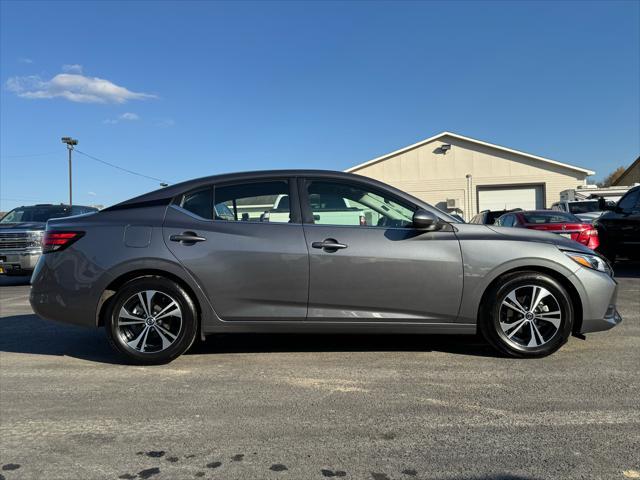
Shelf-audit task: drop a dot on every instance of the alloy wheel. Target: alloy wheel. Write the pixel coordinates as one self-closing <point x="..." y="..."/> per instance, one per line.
<point x="149" y="321"/>
<point x="530" y="316"/>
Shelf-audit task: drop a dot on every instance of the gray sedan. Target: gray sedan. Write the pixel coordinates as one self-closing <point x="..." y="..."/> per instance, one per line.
<point x="312" y="251"/>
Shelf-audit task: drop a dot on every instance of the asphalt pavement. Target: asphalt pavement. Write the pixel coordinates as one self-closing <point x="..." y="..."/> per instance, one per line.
<point x="313" y="407"/>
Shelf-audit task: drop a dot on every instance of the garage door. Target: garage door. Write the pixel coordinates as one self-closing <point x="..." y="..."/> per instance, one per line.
<point x="527" y="197"/>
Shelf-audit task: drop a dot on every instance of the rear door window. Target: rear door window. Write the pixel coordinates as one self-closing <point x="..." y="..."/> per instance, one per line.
<point x="199" y="202"/>
<point x="266" y="201"/>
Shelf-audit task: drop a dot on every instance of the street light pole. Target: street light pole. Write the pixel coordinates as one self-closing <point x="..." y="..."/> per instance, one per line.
<point x="70" y="144"/>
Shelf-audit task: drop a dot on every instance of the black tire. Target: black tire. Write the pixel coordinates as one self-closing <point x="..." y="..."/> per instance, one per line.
<point x="490" y="316"/>
<point x="168" y="289"/>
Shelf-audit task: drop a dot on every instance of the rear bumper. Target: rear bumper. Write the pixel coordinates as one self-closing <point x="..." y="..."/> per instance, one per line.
<point x="66" y="288"/>
<point x="15" y="261"/>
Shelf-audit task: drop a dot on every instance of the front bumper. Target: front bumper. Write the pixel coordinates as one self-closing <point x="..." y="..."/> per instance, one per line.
<point x="18" y="261"/>
<point x="610" y="319"/>
<point x="599" y="294"/>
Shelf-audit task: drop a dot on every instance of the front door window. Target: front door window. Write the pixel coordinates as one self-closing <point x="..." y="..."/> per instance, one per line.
<point x="337" y="203"/>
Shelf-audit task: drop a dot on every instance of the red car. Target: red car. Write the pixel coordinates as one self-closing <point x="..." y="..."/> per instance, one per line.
<point x="562" y="223"/>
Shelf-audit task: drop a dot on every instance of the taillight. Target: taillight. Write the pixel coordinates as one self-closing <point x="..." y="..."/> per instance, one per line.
<point x="589" y="238"/>
<point x="56" y="241"/>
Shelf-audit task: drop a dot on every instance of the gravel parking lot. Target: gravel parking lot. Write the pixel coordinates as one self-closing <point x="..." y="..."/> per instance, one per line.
<point x="305" y="407"/>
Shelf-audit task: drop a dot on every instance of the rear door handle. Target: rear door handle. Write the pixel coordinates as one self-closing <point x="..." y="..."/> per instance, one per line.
<point x="329" y="244"/>
<point x="187" y="238"/>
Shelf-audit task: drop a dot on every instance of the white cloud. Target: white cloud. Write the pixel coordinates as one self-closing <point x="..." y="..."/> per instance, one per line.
<point x="25" y="60"/>
<point x="165" y="122"/>
<point x="127" y="116"/>
<point x="72" y="68"/>
<point x="93" y="194"/>
<point x="73" y="87"/>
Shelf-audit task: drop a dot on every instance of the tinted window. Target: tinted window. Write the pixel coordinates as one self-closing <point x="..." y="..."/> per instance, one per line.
<point x="550" y="216"/>
<point x="199" y="202"/>
<point x="77" y="210"/>
<point x="337" y="203"/>
<point x="493" y="216"/>
<point x="253" y="202"/>
<point x="584" y="207"/>
<point x="37" y="213"/>
<point x="479" y="218"/>
<point x="631" y="201"/>
<point x="507" y="221"/>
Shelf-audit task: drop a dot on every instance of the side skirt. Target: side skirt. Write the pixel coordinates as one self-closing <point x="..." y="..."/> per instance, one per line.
<point x="340" y="327"/>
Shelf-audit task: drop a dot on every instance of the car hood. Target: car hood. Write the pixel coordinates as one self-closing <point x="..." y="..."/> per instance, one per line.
<point x="527" y="235"/>
<point x="22" y="226"/>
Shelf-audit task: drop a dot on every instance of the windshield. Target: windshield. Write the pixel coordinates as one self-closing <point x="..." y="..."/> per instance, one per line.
<point x="39" y="213"/>
<point x="584" y="207"/>
<point x="550" y="216"/>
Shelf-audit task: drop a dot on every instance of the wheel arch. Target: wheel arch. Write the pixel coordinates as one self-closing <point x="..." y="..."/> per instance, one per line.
<point x="576" y="301"/>
<point x="122" y="279"/>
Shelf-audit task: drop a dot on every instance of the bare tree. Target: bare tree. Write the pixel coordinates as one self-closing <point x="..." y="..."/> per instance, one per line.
<point x="612" y="177"/>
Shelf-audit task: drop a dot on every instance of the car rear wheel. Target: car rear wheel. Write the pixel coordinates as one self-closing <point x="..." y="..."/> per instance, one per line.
<point x="151" y="320"/>
<point x="527" y="314"/>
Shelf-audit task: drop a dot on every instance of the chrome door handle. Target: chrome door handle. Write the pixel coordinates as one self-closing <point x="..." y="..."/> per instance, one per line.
<point x="329" y="244"/>
<point x="187" y="238"/>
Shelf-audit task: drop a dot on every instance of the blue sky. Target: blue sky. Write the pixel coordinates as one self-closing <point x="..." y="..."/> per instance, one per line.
<point x="177" y="90"/>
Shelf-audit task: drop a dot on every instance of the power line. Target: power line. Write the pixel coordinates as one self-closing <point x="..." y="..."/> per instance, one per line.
<point x="118" y="167"/>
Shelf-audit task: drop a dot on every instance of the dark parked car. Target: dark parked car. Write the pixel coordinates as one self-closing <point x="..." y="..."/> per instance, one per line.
<point x="21" y="232"/>
<point x="489" y="217"/>
<point x="619" y="227"/>
<point x="554" y="221"/>
<point x="207" y="256"/>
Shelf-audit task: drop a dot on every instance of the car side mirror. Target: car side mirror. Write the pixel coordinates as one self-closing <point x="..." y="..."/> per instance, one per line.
<point x="424" y="219"/>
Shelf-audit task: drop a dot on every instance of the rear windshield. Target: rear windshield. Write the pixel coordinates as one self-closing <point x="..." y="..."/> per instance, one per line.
<point x="42" y="213"/>
<point x="584" y="207"/>
<point x="551" y="216"/>
<point x="492" y="216"/>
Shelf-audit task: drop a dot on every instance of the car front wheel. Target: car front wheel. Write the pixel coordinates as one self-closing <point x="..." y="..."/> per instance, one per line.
<point x="527" y="314"/>
<point x="151" y="320"/>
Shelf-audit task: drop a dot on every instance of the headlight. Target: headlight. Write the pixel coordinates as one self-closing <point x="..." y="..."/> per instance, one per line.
<point x="35" y="238"/>
<point x="590" y="261"/>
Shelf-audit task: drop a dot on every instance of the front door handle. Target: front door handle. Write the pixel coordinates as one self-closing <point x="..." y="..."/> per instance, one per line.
<point x="187" y="238"/>
<point x="329" y="244"/>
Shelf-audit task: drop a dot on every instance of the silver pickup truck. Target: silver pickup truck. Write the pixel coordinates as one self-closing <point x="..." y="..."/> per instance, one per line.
<point x="21" y="232"/>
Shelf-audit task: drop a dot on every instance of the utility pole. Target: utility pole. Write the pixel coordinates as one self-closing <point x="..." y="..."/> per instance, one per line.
<point x="70" y="144"/>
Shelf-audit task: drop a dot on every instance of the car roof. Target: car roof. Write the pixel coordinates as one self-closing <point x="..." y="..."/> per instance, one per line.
<point x="163" y="195"/>
<point x="53" y="205"/>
